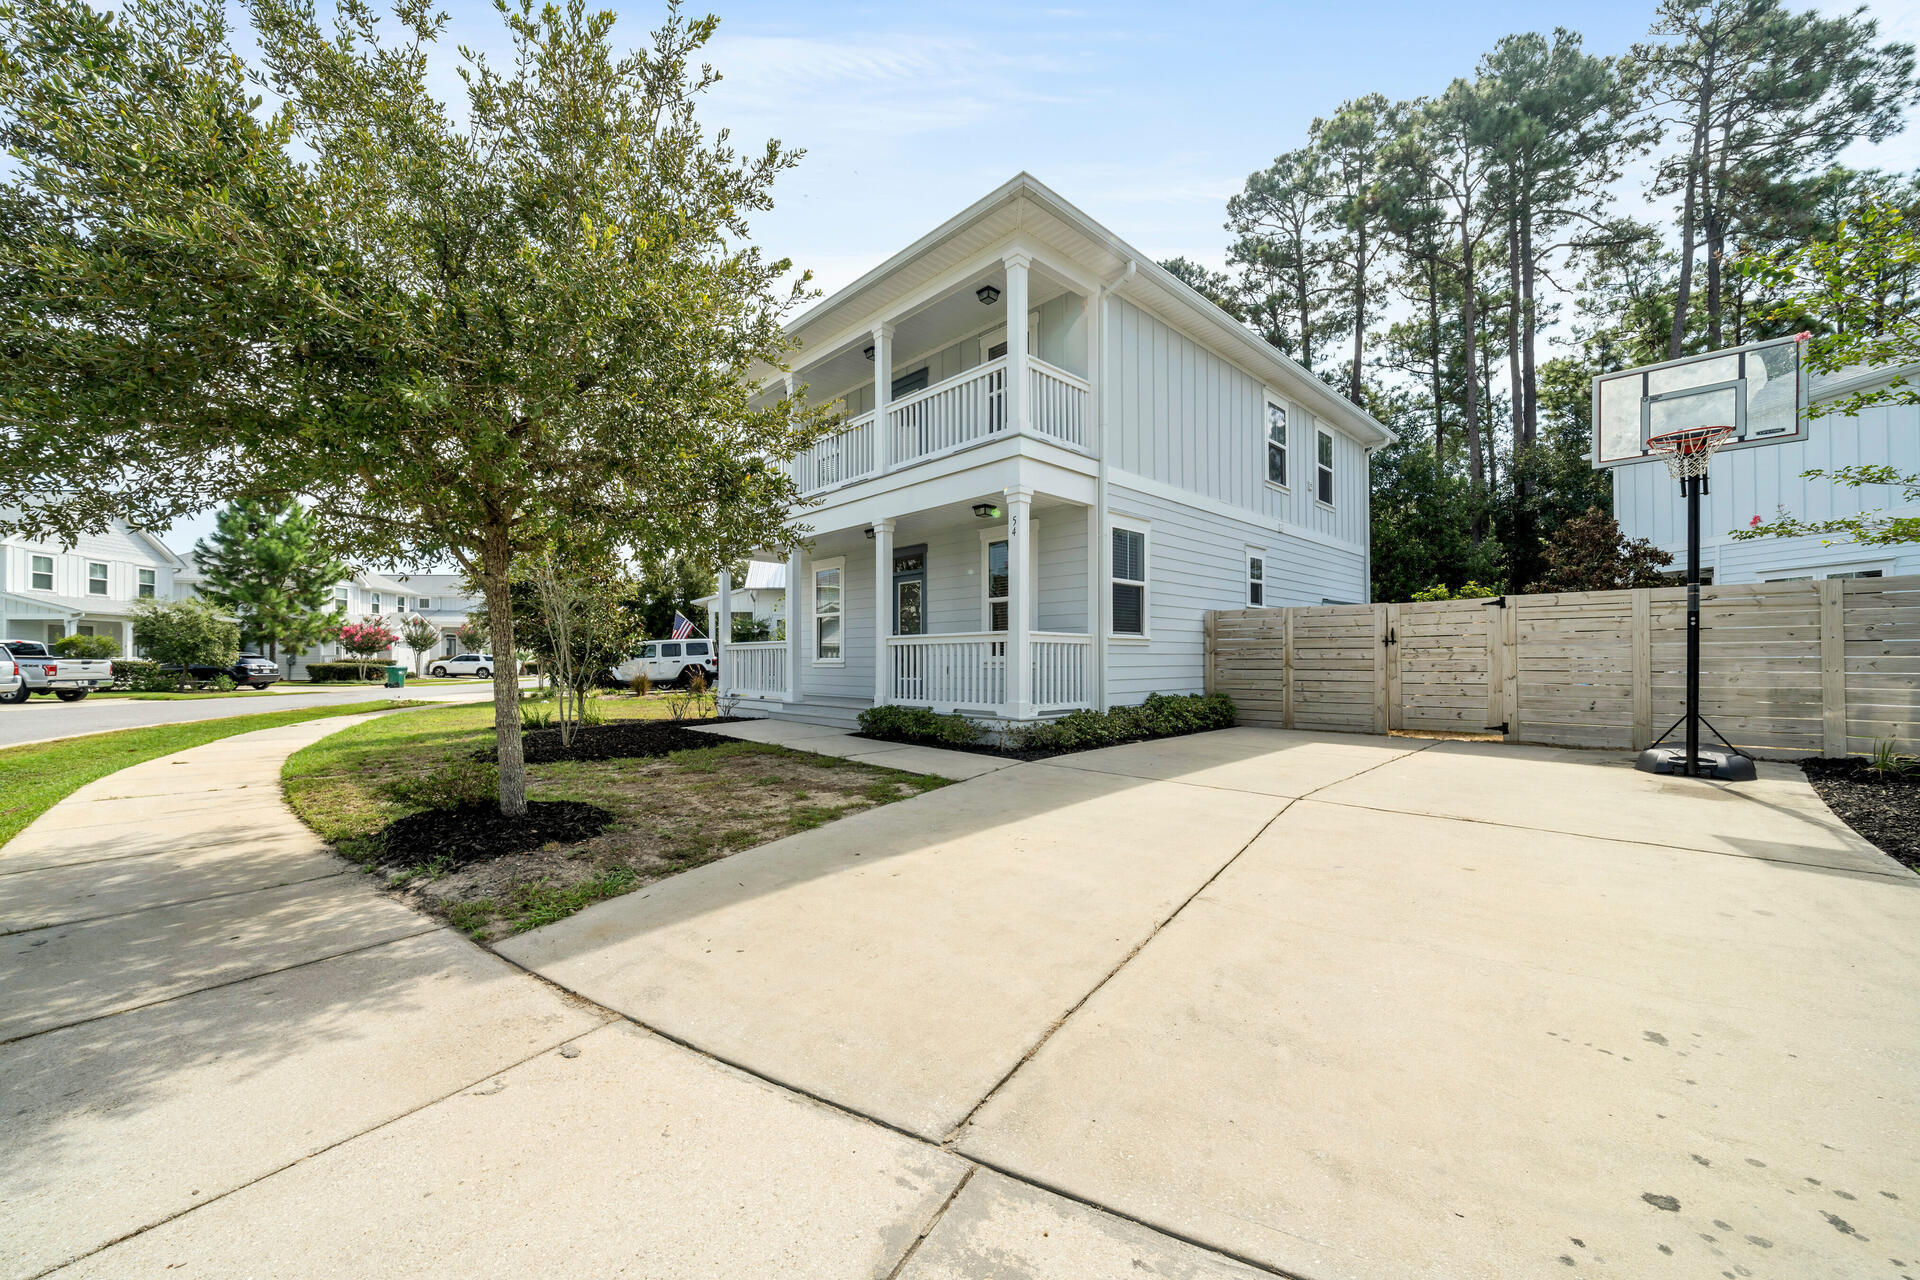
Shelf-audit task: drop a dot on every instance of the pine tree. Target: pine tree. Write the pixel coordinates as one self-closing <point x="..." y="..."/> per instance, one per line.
<point x="266" y="566"/>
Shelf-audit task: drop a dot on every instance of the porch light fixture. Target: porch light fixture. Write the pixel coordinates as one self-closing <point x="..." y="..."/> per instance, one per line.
<point x="868" y="353"/>
<point x="986" y="510"/>
<point x="869" y="533"/>
<point x="987" y="294"/>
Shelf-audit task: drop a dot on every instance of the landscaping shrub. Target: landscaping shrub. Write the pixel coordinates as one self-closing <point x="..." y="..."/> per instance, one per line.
<point x="1160" y="716"/>
<point x="456" y="782"/>
<point x="78" y="646"/>
<point x="917" y="724"/>
<point x="139" y="675"/>
<point x="345" y="672"/>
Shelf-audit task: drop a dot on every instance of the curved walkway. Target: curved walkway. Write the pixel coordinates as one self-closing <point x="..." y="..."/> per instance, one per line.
<point x="1244" y="1004"/>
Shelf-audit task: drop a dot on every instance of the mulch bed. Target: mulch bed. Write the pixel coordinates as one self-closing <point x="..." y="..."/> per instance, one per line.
<point x="971" y="748"/>
<point x="472" y="833"/>
<point x="617" y="740"/>
<point x="1883" y="807"/>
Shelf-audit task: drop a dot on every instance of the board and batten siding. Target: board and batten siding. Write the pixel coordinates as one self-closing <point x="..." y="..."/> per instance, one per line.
<point x="1744" y="483"/>
<point x="124" y="554"/>
<point x="1184" y="416"/>
<point x="1196" y="562"/>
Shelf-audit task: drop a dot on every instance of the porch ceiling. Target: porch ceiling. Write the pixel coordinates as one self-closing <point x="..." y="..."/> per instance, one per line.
<point x="919" y="526"/>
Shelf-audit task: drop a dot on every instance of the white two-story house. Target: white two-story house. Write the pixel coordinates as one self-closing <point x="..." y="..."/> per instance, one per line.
<point x="1056" y="459"/>
<point x="49" y="590"/>
<point x="1763" y="481"/>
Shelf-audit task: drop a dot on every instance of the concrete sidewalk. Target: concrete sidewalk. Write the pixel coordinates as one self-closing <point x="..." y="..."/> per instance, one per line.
<point x="222" y="1053"/>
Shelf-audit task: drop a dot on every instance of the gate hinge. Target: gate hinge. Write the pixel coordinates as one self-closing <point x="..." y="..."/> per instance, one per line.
<point x="1389" y="638"/>
<point x="1500" y="728"/>
<point x="1498" y="602"/>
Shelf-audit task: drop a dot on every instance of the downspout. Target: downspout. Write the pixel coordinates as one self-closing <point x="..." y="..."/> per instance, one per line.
<point x="1102" y="625"/>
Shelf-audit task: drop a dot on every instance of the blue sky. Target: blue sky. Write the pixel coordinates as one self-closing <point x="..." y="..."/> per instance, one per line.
<point x="1146" y="116"/>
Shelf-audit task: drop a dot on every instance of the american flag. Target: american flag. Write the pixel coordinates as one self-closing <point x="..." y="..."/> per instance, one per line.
<point x="682" y="629"/>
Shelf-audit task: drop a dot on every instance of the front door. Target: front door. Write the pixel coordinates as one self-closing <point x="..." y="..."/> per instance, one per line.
<point x="910" y="591"/>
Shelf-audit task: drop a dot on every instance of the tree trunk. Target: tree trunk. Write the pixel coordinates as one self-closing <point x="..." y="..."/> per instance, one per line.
<point x="1716" y="236"/>
<point x="1433" y="353"/>
<point x="1515" y="405"/>
<point x="1470" y="322"/>
<point x="1529" y="325"/>
<point x="1677" y="336"/>
<point x="1359" y="305"/>
<point x="495" y="563"/>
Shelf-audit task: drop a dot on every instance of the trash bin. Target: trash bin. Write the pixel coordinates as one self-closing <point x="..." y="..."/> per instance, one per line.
<point x="396" y="677"/>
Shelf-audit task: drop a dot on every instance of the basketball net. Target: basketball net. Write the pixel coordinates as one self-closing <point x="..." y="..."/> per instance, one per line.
<point x="1687" y="452"/>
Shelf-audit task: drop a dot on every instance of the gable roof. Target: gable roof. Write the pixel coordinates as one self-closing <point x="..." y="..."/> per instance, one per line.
<point x="1025" y="206"/>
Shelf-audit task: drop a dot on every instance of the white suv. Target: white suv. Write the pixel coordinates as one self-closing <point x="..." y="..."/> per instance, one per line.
<point x="670" y="662"/>
<point x="465" y="664"/>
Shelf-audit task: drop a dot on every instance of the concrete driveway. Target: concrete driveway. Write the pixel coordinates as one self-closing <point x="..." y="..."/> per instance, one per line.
<point x="1337" y="1006"/>
<point x="1243" y="1004"/>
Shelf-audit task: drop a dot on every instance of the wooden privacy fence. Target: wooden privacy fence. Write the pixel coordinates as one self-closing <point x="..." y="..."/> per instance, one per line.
<point x="1795" y="667"/>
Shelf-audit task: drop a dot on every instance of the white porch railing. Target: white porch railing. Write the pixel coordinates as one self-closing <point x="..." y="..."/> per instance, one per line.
<point x="960" y="410"/>
<point x="758" y="668"/>
<point x="1058" y="403"/>
<point x="970" y="671"/>
<point x="949" y="671"/>
<point x="846" y="455"/>
<point x="1060" y="671"/>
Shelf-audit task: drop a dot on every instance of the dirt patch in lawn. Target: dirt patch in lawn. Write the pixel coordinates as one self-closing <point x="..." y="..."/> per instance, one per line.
<point x="668" y="811"/>
<point x="1882" y="805"/>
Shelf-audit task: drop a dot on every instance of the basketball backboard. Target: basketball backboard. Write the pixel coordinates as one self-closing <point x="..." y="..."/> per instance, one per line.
<point x="1759" y="390"/>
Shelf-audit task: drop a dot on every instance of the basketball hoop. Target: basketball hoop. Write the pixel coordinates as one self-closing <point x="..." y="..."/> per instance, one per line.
<point x="1688" y="451"/>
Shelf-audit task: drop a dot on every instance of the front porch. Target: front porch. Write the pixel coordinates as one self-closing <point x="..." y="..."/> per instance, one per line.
<point x="987" y="608"/>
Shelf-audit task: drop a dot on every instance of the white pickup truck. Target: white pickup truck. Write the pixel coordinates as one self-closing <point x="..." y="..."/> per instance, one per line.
<point x="43" y="671"/>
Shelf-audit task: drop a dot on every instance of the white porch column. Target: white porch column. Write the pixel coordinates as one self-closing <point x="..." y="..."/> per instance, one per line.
<point x="1017" y="264"/>
<point x="882" y="611"/>
<point x="1019" y="603"/>
<point x="723" y="631"/>
<point x="882" y="395"/>
<point x="791" y="607"/>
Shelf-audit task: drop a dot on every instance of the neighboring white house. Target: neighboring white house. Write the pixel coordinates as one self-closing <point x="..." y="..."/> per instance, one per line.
<point x="1744" y="483"/>
<point x="1017" y="522"/>
<point x="48" y="590"/>
<point x="365" y="597"/>
<point x="763" y="598"/>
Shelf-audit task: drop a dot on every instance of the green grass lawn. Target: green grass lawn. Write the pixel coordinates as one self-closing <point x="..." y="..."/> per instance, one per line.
<point x="671" y="812"/>
<point x="33" y="778"/>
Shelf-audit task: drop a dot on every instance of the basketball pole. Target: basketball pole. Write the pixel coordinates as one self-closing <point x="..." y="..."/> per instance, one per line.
<point x="1693" y="485"/>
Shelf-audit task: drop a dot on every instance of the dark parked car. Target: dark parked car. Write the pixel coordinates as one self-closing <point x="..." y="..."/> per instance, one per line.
<point x="249" y="671"/>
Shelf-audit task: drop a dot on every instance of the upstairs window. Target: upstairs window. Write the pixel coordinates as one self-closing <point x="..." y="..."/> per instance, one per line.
<point x="1276" y="444"/>
<point x="1323" y="480"/>
<point x="373" y="603"/>
<point x="1256" y="580"/>
<point x="43" y="573"/>
<point x="96" y="578"/>
<point x="1129" y="582"/>
<point x="146" y="584"/>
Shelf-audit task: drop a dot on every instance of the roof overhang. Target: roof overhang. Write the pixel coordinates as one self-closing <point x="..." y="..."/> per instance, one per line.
<point x="1025" y="213"/>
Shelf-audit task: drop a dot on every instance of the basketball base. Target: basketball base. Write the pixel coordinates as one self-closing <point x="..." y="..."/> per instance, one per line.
<point x="1721" y="766"/>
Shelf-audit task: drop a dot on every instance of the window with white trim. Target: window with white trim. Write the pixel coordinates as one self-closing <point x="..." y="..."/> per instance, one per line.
<point x="1129" y="581"/>
<point x="994" y="579"/>
<point x="373" y="603"/>
<point x="1256" y="580"/>
<point x="829" y="580"/>
<point x="146" y="584"/>
<point x="43" y="573"/>
<point x="1276" y="444"/>
<point x="1323" y="457"/>
<point x="96" y="578"/>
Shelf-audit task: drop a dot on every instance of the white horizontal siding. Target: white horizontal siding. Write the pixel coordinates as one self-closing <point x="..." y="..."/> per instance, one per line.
<point x="1196" y="561"/>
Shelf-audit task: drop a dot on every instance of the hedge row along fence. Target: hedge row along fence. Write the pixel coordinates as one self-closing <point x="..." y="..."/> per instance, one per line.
<point x="1790" y="668"/>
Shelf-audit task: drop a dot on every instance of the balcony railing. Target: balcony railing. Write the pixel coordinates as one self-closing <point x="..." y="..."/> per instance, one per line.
<point x="958" y="411"/>
<point x="846" y="455"/>
<point x="1057" y="403"/>
<point x="963" y="410"/>
<point x="756" y="669"/>
<point x="969" y="671"/>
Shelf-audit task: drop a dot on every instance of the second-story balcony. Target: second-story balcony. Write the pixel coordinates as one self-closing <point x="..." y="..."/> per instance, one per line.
<point x="961" y="411"/>
<point x="951" y="374"/>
